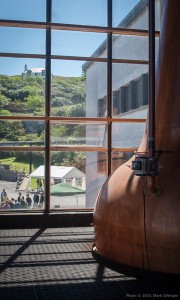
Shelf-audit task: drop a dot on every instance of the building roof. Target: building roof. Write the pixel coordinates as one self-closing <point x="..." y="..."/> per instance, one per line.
<point x="37" y="70"/>
<point x="58" y="172"/>
<point x="123" y="24"/>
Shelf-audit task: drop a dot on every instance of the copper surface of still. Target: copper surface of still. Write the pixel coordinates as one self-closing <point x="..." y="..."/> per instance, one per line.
<point x="132" y="225"/>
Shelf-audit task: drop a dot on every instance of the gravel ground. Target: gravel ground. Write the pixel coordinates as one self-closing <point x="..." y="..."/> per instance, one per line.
<point x="76" y="201"/>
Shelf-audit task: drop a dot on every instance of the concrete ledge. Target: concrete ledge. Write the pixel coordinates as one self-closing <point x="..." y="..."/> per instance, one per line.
<point x="39" y="220"/>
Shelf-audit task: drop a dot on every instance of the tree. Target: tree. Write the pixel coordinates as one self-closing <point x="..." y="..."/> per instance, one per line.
<point x="5" y="112"/>
<point x="11" y="130"/>
<point x="58" y="131"/>
<point x="4" y="101"/>
<point x="35" y="103"/>
<point x="77" y="110"/>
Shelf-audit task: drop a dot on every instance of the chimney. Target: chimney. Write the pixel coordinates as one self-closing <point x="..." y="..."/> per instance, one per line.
<point x="25" y="68"/>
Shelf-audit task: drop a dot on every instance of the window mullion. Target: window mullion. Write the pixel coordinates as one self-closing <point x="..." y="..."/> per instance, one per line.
<point x="109" y="87"/>
<point x="48" y="105"/>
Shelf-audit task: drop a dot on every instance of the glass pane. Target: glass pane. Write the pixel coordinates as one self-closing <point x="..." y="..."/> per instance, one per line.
<point x="18" y="181"/>
<point x="119" y="158"/>
<point x="25" y="10"/>
<point x="68" y="89"/>
<point x="76" y="178"/>
<point x="67" y="69"/>
<point x="96" y="89"/>
<point x="130" y="90"/>
<point x="130" y="47"/>
<point x="18" y="66"/>
<point x="134" y="14"/>
<point x="21" y="133"/>
<point x="127" y="135"/>
<point x="82" y="12"/>
<point x="22" y="87"/>
<point x="22" y="40"/>
<point x="159" y="6"/>
<point x="78" y="89"/>
<point x="121" y="9"/>
<point x="91" y="134"/>
<point x="78" y="43"/>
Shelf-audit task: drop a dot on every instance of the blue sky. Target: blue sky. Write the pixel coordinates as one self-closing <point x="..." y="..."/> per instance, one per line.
<point x="84" y="12"/>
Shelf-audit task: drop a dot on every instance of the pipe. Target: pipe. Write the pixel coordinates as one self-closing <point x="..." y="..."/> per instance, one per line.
<point x="109" y="86"/>
<point x="151" y="126"/>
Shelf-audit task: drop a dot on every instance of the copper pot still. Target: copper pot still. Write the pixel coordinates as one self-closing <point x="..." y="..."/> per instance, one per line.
<point x="137" y="218"/>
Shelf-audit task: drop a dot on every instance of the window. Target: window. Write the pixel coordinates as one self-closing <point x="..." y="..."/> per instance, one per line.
<point x="102" y="107"/>
<point x="73" y="89"/>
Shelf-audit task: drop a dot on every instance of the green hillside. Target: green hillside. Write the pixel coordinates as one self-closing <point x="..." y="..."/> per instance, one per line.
<point x="20" y="96"/>
<point x="26" y="97"/>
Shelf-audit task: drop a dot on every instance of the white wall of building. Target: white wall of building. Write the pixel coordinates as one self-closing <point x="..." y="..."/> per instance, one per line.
<point x="124" y="134"/>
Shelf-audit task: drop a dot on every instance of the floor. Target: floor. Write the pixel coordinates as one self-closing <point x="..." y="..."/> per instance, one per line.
<point x="57" y="263"/>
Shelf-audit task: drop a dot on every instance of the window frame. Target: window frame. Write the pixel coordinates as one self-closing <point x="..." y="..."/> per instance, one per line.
<point x="47" y="118"/>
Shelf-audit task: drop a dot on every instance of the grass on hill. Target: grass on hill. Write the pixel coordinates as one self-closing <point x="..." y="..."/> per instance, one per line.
<point x="16" y="166"/>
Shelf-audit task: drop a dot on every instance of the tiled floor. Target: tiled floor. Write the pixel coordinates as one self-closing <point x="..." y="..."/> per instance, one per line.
<point x="57" y="263"/>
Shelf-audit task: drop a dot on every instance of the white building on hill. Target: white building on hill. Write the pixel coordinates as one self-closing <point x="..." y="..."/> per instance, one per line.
<point x="40" y="72"/>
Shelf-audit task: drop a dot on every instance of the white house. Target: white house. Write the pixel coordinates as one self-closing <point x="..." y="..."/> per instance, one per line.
<point x="40" y="72"/>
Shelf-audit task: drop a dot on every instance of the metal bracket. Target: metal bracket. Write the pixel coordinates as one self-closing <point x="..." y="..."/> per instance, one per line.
<point x="144" y="166"/>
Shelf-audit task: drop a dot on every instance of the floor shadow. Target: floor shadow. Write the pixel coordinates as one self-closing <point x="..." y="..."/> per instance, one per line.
<point x="21" y="249"/>
<point x="167" y="284"/>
